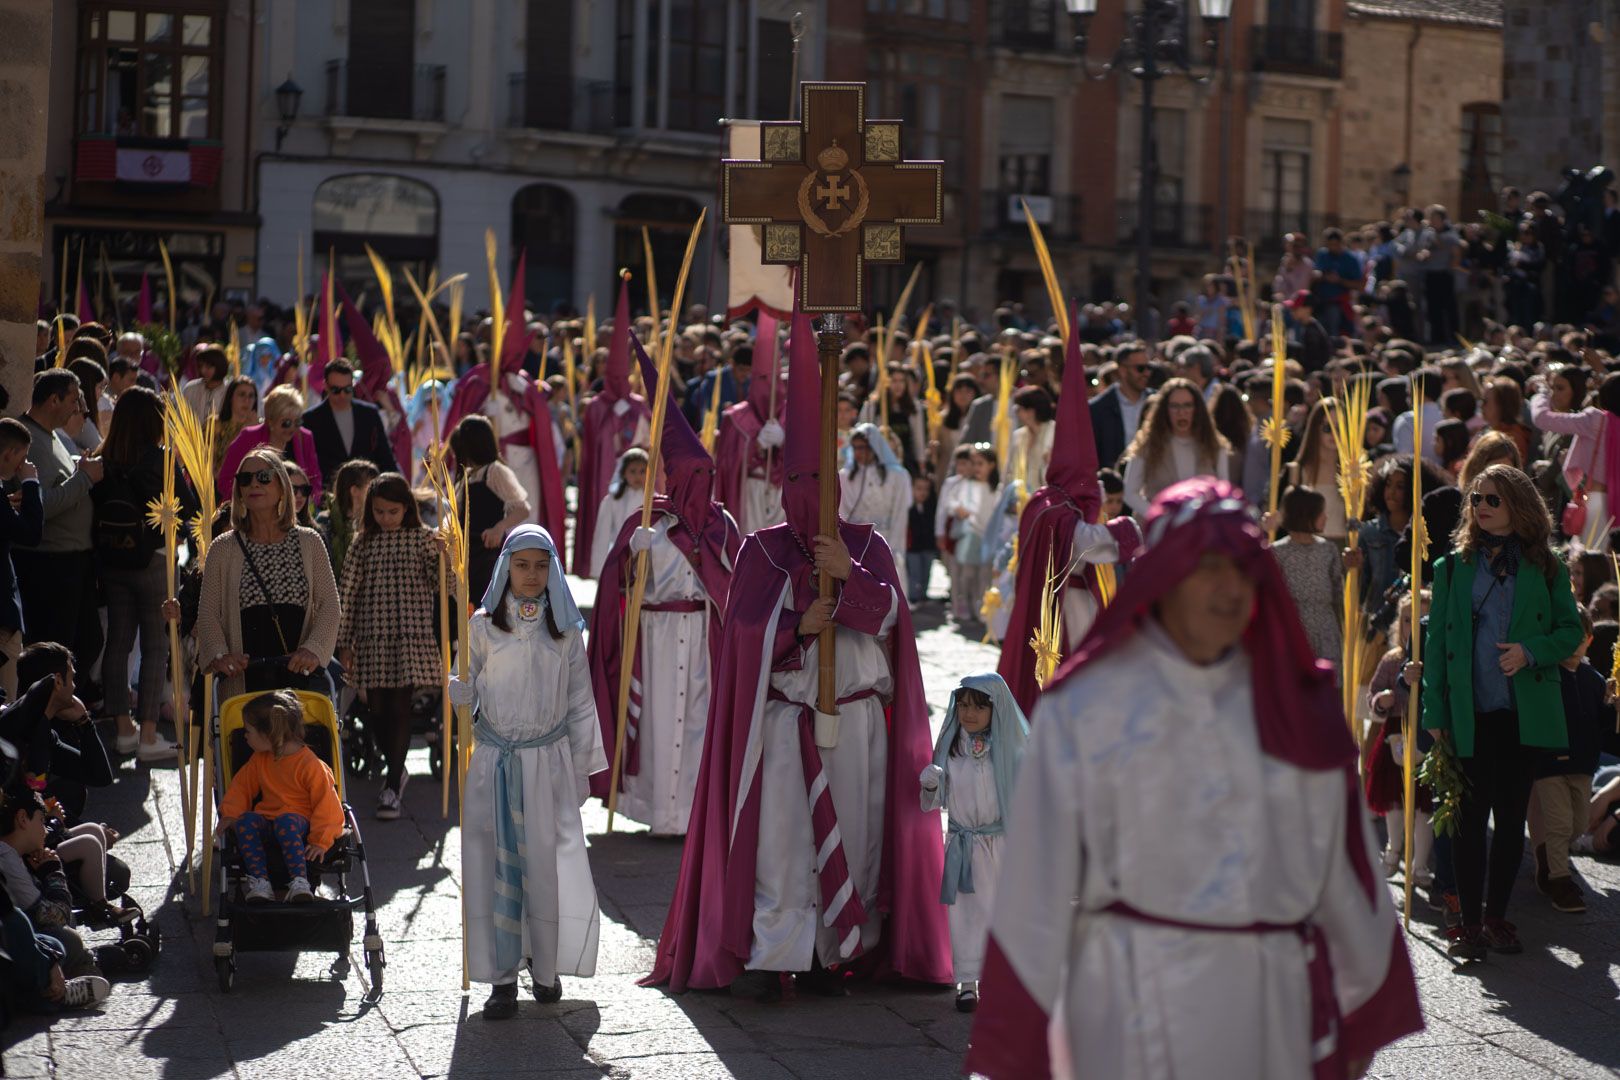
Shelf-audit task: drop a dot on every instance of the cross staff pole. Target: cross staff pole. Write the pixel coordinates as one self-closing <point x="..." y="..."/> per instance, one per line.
<point x="830" y="347"/>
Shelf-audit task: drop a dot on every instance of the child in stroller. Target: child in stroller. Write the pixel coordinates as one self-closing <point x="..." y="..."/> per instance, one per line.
<point x="284" y="791"/>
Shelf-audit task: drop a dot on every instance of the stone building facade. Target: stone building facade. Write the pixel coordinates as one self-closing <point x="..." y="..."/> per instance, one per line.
<point x="1422" y="101"/>
<point x="1560" y="88"/>
<point x="25" y="66"/>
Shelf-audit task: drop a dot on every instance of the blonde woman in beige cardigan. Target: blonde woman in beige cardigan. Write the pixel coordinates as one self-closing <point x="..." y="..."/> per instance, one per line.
<point x="267" y="588"/>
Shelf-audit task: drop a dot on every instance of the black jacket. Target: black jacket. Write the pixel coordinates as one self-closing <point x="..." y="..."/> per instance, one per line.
<point x="370" y="439"/>
<point x="1108" y="426"/>
<point x="1586" y="718"/>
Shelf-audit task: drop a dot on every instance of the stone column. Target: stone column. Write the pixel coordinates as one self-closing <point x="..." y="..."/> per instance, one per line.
<point x="25" y="68"/>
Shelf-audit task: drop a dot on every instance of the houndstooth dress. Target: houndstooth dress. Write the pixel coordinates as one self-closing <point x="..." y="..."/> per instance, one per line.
<point x="390" y="592"/>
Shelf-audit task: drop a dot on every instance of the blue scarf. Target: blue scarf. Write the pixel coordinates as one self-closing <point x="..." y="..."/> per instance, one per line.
<point x="1009" y="730"/>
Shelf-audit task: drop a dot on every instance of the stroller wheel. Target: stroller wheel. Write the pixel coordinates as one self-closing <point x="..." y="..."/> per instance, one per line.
<point x="139" y="953"/>
<point x="225" y="968"/>
<point x="435" y="760"/>
<point x="374" y="966"/>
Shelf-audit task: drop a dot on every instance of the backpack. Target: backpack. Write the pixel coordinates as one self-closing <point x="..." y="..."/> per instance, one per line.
<point x="119" y="532"/>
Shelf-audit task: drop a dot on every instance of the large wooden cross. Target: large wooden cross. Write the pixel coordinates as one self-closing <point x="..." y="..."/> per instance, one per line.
<point x="831" y="194"/>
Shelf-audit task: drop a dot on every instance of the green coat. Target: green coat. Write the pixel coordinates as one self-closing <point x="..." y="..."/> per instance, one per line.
<point x="1544" y="620"/>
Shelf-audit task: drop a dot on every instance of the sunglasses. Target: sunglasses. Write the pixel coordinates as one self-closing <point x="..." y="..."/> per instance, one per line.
<point x="1492" y="501"/>
<point x="339" y="390"/>
<point x="285" y="424"/>
<point x="248" y="476"/>
<point x="302" y="489"/>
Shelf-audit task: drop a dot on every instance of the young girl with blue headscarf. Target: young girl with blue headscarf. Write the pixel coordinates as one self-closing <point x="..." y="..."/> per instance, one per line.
<point x="530" y="898"/>
<point x="971" y="777"/>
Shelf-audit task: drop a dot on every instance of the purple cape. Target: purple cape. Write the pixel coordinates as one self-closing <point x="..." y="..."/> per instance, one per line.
<point x="708" y="934"/>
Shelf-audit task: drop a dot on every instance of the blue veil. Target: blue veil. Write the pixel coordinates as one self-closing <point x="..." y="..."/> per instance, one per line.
<point x="880" y="446"/>
<point x="1008" y="732"/>
<point x="531" y="538"/>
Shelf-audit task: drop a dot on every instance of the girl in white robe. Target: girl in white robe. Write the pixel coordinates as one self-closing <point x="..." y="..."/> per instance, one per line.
<point x="528" y="894"/>
<point x="879" y="493"/>
<point x="971" y="777"/>
<point x="623" y="501"/>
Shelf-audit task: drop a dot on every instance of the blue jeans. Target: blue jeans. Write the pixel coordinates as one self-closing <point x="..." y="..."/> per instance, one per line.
<point x="919" y="564"/>
<point x="32" y="957"/>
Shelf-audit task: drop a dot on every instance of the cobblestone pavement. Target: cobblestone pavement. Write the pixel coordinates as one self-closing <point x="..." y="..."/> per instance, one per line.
<point x="1550" y="1012"/>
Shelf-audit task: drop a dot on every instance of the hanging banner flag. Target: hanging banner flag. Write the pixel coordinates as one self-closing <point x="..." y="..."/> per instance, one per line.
<point x="154" y="166"/>
<point x="753" y="284"/>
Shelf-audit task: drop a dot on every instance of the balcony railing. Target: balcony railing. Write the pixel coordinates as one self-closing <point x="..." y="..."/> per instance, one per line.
<point x="1290" y="50"/>
<point x="540" y="102"/>
<point x="381" y="94"/>
<point x="1175" y="225"/>
<point x="1030" y="25"/>
<point x="1002" y="210"/>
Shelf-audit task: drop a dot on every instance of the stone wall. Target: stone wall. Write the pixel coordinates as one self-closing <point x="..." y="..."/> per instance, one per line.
<point x="1557" y="63"/>
<point x="25" y="65"/>
<point x="1450" y="66"/>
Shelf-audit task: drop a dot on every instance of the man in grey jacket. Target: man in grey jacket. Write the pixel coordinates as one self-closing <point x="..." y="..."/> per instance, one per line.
<point x="57" y="577"/>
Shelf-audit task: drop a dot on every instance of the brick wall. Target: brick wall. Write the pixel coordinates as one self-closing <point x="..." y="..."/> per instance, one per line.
<point x="1450" y="67"/>
<point x="1553" y="76"/>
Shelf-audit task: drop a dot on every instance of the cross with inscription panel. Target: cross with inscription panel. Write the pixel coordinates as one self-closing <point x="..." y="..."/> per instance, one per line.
<point x="832" y="194"/>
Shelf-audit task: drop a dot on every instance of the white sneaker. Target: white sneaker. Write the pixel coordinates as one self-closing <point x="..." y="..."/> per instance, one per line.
<point x="84" y="991"/>
<point x="298" y="889"/>
<point x="257" y="890"/>
<point x="388" y="805"/>
<point x="158" y="750"/>
<point x="1583" y="845"/>
<point x="128" y="744"/>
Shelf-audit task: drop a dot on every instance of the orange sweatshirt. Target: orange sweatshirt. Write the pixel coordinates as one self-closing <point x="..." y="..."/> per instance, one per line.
<point x="299" y="783"/>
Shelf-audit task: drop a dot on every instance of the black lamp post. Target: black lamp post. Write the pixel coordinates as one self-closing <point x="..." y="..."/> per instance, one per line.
<point x="288" y="95"/>
<point x="1152" y="48"/>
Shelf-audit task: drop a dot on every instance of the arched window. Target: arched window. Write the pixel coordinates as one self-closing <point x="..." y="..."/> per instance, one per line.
<point x="543" y="226"/>
<point x="1480" y="149"/>
<point x="668" y="220"/>
<point x="397" y="216"/>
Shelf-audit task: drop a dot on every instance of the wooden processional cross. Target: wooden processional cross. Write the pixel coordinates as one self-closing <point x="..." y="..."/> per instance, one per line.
<point x="831" y="193"/>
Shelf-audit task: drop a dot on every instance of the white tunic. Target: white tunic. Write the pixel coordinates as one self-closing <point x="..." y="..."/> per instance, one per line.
<point x="675" y="685"/>
<point x="510" y="421"/>
<point x="971" y="801"/>
<point x="1145" y="783"/>
<point x="762" y="504"/>
<point x="788" y="930"/>
<point x="882" y="500"/>
<point x="527" y="684"/>
<point x="611" y="514"/>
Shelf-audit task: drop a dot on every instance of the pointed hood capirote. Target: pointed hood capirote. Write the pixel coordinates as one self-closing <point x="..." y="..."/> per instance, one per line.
<point x="616" y="373"/>
<point x="688" y="468"/>
<point x="1073" y="464"/>
<point x="765" y="367"/>
<point x="801" y="452"/>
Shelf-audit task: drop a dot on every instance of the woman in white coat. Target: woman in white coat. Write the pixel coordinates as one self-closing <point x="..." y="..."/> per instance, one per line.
<point x="528" y="889"/>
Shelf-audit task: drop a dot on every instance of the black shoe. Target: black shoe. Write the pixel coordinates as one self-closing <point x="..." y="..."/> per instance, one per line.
<point x="967" y="1001"/>
<point x="821" y="982"/>
<point x="1467" y="943"/>
<point x="548" y="995"/>
<point x="502" y="1002"/>
<point x="761" y="986"/>
<point x="1501" y="936"/>
<point x="1565" y="895"/>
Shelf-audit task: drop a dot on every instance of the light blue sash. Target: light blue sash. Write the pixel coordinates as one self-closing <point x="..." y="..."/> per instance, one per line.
<point x="959" y="858"/>
<point x="510" y="883"/>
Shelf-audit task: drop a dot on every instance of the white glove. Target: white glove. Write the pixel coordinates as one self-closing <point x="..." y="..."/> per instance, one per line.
<point x="771" y="435"/>
<point x="643" y="539"/>
<point x="930" y="777"/>
<point x="621" y="406"/>
<point x="461" y="693"/>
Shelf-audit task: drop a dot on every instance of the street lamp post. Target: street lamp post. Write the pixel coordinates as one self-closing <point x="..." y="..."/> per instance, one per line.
<point x="1151" y="49"/>
<point x="288" y="95"/>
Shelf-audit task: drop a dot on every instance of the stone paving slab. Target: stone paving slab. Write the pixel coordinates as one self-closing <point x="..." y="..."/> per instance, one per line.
<point x="1551" y="1012"/>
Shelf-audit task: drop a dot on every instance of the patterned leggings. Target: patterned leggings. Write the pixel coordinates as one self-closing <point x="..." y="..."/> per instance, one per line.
<point x="253" y="831"/>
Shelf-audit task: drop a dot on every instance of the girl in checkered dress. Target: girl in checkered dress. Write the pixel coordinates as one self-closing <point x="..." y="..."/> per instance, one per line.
<point x="388" y="637"/>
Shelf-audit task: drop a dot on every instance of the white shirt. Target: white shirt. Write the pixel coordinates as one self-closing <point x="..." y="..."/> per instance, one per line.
<point x="1403" y="432"/>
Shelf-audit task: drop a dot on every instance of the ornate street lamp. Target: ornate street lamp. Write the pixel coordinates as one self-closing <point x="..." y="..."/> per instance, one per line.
<point x="288" y="95"/>
<point x="1152" y="48"/>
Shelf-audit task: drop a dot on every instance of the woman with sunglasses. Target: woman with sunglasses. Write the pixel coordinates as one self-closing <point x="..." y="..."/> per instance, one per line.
<point x="283" y="432"/>
<point x="267" y="588"/>
<point x="1502" y="619"/>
